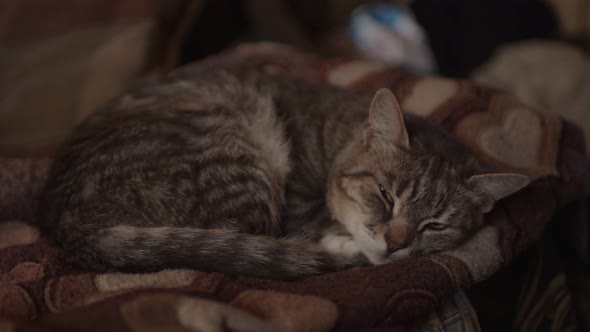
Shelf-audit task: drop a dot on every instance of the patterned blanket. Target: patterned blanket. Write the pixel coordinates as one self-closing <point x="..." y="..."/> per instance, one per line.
<point x="39" y="290"/>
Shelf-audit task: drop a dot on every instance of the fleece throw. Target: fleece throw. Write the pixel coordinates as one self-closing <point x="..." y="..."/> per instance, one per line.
<point x="40" y="291"/>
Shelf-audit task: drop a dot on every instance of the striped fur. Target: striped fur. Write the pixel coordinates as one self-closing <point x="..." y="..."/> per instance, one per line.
<point x="241" y="172"/>
<point x="438" y="193"/>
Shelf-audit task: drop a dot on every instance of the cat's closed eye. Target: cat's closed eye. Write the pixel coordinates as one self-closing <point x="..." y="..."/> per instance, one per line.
<point x="434" y="226"/>
<point x="386" y="196"/>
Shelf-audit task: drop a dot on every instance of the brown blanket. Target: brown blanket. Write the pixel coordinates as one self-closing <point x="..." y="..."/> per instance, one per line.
<point x="39" y="290"/>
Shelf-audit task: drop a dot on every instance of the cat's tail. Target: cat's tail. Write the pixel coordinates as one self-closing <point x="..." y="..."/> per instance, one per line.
<point x="226" y="251"/>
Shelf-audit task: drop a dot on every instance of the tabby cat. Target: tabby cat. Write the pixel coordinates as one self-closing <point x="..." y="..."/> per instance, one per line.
<point x="243" y="172"/>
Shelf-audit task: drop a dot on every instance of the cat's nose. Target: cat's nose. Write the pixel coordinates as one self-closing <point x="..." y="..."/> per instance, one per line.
<point x="396" y="237"/>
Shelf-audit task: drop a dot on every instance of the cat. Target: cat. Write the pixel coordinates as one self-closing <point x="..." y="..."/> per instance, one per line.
<point x="248" y="173"/>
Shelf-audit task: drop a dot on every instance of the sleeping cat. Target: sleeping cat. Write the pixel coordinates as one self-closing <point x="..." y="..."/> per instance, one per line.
<point x="242" y="172"/>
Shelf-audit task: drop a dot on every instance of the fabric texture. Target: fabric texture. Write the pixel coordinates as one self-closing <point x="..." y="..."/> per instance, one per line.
<point x="536" y="292"/>
<point x="548" y="75"/>
<point x="39" y="289"/>
<point x="554" y="77"/>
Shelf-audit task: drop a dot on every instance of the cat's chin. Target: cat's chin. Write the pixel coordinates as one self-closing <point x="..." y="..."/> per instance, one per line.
<point x="384" y="258"/>
<point x="377" y="259"/>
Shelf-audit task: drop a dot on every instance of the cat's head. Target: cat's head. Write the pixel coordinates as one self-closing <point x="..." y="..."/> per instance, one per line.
<point x="397" y="199"/>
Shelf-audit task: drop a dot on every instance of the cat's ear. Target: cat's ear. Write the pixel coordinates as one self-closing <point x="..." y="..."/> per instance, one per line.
<point x="496" y="186"/>
<point x="386" y="121"/>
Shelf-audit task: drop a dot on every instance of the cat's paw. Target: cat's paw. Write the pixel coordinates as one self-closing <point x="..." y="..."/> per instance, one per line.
<point x="340" y="245"/>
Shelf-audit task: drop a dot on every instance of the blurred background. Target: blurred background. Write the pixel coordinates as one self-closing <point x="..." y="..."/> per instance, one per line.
<point x="61" y="60"/>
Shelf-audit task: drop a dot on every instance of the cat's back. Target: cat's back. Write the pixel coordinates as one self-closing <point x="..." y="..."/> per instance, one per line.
<point x="169" y="150"/>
